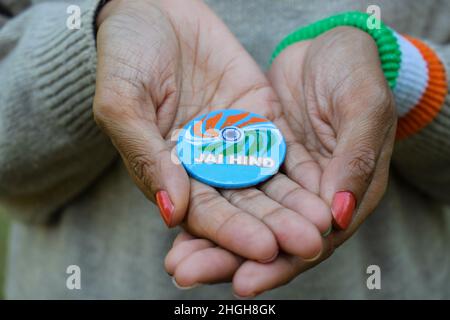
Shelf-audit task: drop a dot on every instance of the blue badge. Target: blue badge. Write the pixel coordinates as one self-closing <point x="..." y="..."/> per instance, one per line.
<point x="231" y="148"/>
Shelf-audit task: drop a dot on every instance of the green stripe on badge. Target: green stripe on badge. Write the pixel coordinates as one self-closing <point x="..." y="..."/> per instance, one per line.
<point x="257" y="142"/>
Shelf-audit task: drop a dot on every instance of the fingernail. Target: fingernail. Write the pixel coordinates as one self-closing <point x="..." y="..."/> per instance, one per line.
<point x="316" y="257"/>
<point x="342" y="208"/>
<point x="243" y="298"/>
<point x="272" y="258"/>
<point x="184" y="288"/>
<point x="327" y="233"/>
<point x="165" y="206"/>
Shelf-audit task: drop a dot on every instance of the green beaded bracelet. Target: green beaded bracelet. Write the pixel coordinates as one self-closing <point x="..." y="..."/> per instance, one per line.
<point x="388" y="48"/>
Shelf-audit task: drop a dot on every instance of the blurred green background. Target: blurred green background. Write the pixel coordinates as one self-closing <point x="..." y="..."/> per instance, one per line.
<point x="3" y="238"/>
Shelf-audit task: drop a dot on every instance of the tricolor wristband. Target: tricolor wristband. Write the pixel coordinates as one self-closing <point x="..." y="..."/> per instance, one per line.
<point x="414" y="72"/>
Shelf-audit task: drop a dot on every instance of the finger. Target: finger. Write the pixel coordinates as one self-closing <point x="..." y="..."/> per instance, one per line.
<point x="183" y="250"/>
<point x="130" y="122"/>
<point x="350" y="171"/>
<point x="374" y="192"/>
<point x="211" y="216"/>
<point x="294" y="233"/>
<point x="182" y="237"/>
<point x="292" y="196"/>
<point x="253" y="278"/>
<point x="210" y="265"/>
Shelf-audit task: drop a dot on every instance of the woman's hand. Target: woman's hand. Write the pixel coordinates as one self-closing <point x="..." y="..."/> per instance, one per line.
<point x="341" y="109"/>
<point x="339" y="106"/>
<point x="161" y="64"/>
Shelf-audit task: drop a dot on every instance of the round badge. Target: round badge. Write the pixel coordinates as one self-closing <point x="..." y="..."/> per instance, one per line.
<point x="231" y="148"/>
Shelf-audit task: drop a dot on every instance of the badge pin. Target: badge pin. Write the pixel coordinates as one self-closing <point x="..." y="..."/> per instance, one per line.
<point x="231" y="148"/>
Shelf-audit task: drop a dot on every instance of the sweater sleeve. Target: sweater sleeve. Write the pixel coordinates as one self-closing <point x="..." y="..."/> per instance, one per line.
<point x="50" y="147"/>
<point x="422" y="151"/>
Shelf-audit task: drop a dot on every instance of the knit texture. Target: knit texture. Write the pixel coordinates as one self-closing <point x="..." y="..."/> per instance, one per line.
<point x="50" y="146"/>
<point x="412" y="79"/>
<point x="429" y="105"/>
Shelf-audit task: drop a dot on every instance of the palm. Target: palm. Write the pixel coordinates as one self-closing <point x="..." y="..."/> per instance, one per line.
<point x="341" y="110"/>
<point x="302" y="108"/>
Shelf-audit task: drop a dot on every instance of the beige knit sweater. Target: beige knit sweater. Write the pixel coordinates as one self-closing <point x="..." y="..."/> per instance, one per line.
<point x="73" y="202"/>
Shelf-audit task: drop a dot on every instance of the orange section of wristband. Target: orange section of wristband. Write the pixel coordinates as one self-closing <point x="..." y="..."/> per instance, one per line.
<point x="433" y="98"/>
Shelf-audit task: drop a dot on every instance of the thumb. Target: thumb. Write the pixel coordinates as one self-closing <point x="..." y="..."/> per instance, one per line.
<point x="350" y="171"/>
<point x="145" y="153"/>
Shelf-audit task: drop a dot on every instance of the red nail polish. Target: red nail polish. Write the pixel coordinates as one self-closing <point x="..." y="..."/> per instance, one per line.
<point x="342" y="208"/>
<point x="165" y="206"/>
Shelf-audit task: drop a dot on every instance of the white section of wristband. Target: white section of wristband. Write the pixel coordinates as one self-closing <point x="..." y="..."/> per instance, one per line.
<point x="412" y="79"/>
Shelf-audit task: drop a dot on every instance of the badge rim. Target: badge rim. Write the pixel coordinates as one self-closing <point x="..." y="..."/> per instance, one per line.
<point x="231" y="185"/>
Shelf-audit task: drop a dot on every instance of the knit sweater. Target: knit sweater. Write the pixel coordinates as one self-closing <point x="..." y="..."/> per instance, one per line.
<point x="73" y="202"/>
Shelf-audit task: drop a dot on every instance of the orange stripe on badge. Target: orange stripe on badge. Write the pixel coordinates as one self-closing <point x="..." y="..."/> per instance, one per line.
<point x="231" y="120"/>
<point x="433" y="98"/>
<point x="211" y="122"/>
<point x="252" y="121"/>
<point x="198" y="127"/>
<point x="210" y="130"/>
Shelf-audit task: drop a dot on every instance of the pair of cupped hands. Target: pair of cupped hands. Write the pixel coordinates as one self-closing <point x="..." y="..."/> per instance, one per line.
<point x="163" y="63"/>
